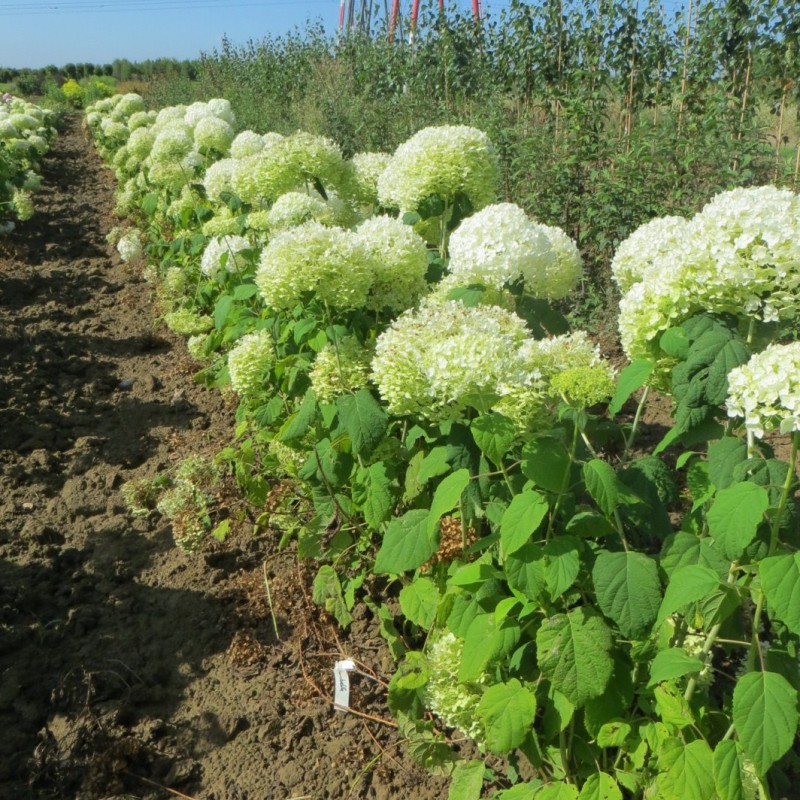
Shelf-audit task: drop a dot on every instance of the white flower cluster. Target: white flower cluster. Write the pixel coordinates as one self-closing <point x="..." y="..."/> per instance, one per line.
<point x="442" y="161"/>
<point x="739" y="255"/>
<point x="25" y="135"/>
<point x="129" y="246"/>
<point x="455" y="703"/>
<point x="224" y="251"/>
<point x="500" y="246"/>
<point x="765" y="391"/>
<point x="362" y="181"/>
<point x="250" y="361"/>
<point x="340" y="368"/>
<point x="295" y="208"/>
<point x="331" y="263"/>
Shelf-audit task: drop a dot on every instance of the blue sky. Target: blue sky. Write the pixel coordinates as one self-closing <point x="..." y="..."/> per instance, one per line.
<point x="34" y="33"/>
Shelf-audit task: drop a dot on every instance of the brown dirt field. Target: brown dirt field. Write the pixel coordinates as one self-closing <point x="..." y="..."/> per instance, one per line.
<point x="129" y="669"/>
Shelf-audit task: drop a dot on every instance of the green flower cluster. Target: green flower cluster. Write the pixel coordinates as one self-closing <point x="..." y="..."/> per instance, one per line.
<point x="339" y="368"/>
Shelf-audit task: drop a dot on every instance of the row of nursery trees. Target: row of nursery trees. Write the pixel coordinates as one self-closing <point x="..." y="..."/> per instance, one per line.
<point x="26" y="133"/>
<point x="604" y="114"/>
<point x="601" y="620"/>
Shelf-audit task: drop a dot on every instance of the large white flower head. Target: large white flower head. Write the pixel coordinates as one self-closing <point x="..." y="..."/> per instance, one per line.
<point x="312" y="259"/>
<point x="648" y="243"/>
<point x="250" y="360"/>
<point x="765" y="391"/>
<point x="129" y="104"/>
<point x="500" y="246"/>
<point x="129" y="246"/>
<point x="169" y="115"/>
<point x="140" y="143"/>
<point x="262" y="178"/>
<point x="22" y="203"/>
<point x="225" y="249"/>
<point x="247" y="143"/>
<point x="313" y="157"/>
<point x="568" y="269"/>
<point x="400" y="260"/>
<point x="195" y="112"/>
<point x="218" y="178"/>
<point x="455" y="703"/>
<point x="442" y="161"/>
<point x="213" y="135"/>
<point x="739" y="255"/>
<point x="295" y="208"/>
<point x="433" y="359"/>
<point x="220" y="107"/>
<point x="339" y="368"/>
<point x="141" y="119"/>
<point x="362" y="180"/>
<point x="171" y="145"/>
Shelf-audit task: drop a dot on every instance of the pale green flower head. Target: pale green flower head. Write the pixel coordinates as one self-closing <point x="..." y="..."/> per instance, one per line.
<point x="227" y="249"/>
<point x="247" y="143"/>
<point x="171" y="145"/>
<point x="262" y="178"/>
<point x="250" y="361"/>
<point x="364" y="169"/>
<point x="129" y="104"/>
<point x="584" y="387"/>
<point x="220" y="107"/>
<point x="455" y="703"/>
<point x="22" y="203"/>
<point x="431" y="361"/>
<point x="129" y="247"/>
<point x="169" y="115"/>
<point x="442" y="161"/>
<point x="141" y="119"/>
<point x="568" y="268"/>
<point x="188" y="323"/>
<point x="295" y="208"/>
<point x="314" y="157"/>
<point x="140" y="142"/>
<point x="174" y="283"/>
<point x="213" y="135"/>
<point x="343" y="367"/>
<point x="218" y="178"/>
<point x="765" y="391"/>
<point x="400" y="260"/>
<point x="223" y="223"/>
<point x="312" y="259"/>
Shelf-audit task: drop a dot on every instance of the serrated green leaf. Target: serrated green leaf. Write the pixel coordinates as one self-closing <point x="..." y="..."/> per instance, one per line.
<point x="447" y="496"/>
<point x="628" y="590"/>
<point x="419" y="601"/>
<point x="600" y="786"/>
<point x="723" y="457"/>
<point x="546" y="462"/>
<point x="245" y="291"/>
<point x="327" y="592"/>
<point x="562" y="564"/>
<point x="433" y="465"/>
<point x="406" y="544"/>
<point x="674" y="342"/>
<point x="672" y="663"/>
<point x="684" y="549"/>
<point x="363" y="419"/>
<point x="298" y="424"/>
<point x="687" y="585"/>
<point x="686" y="771"/>
<point x="485" y="642"/>
<point x="602" y="484"/>
<point x="734" y="517"/>
<point x="377" y="505"/>
<point x="557" y="791"/>
<point x="671" y="706"/>
<point x="614" y="703"/>
<point x="520" y="520"/>
<point x="731" y="355"/>
<point x="525" y="571"/>
<point x="507" y="711"/>
<point x="780" y="580"/>
<point x="765" y="716"/>
<point x="467" y="782"/>
<point x="522" y="791"/>
<point x="632" y="377"/>
<point x="613" y="734"/>
<point x="728" y="771"/>
<point x="573" y="653"/>
<point x="494" y="434"/>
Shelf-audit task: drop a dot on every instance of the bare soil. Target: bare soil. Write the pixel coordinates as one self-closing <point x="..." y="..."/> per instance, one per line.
<point x="129" y="669"/>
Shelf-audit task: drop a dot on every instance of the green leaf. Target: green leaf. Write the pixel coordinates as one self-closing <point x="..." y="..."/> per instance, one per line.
<point x="780" y="580"/>
<point x="687" y="585"/>
<point x="614" y="703"/>
<point x="600" y="786"/>
<point x="363" y="419"/>
<point x="419" y="601"/>
<point x="602" y="484"/>
<point x="433" y="465"/>
<point x="573" y="653"/>
<point x="327" y="592"/>
<point x="732" y="354"/>
<point x="728" y="771"/>
<point x="406" y="544"/>
<point x="734" y="517"/>
<point x="557" y="791"/>
<point x="507" y="711"/>
<point x="672" y="663"/>
<point x="674" y="342"/>
<point x="377" y="506"/>
<point x="446" y="497"/>
<point x="613" y="734"/>
<point x="684" y="549"/>
<point x="485" y="642"/>
<point x="520" y="520"/>
<point x="525" y="571"/>
<point x="686" y="771"/>
<point x="467" y="783"/>
<point x="723" y="457"/>
<point x="222" y="308"/>
<point x="562" y="564"/>
<point x="765" y="716"/>
<point x="628" y="590"/>
<point x="546" y="462"/>
<point x="245" y="291"/>
<point x="522" y="791"/>
<point x="298" y="424"/>
<point x="632" y="377"/>
<point x="494" y="434"/>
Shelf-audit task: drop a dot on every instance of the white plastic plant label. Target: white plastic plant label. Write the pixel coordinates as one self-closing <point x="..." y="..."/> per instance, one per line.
<point x="341" y="684"/>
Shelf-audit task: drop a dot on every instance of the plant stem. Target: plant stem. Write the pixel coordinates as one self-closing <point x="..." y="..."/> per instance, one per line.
<point x="565" y="482"/>
<point x="636" y="418"/>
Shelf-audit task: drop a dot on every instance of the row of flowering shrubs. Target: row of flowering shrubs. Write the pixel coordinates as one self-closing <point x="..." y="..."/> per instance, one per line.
<point x="598" y="620"/>
<point x="26" y="132"/>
